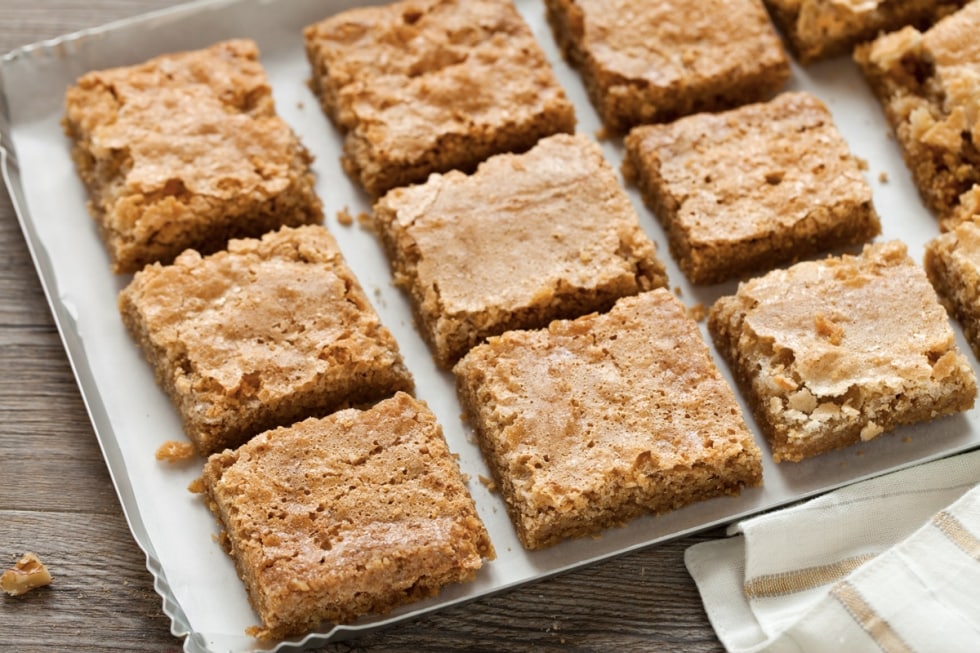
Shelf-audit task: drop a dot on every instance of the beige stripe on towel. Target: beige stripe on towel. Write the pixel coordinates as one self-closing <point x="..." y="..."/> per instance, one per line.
<point x="801" y="580"/>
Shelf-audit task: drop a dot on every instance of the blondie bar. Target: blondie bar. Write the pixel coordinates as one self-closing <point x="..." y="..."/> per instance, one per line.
<point x="748" y="189"/>
<point x="261" y="335"/>
<point x="526" y="239"/>
<point x="818" y="29"/>
<point x="655" y="61"/>
<point x="834" y="352"/>
<point x="927" y="84"/>
<point x="186" y="151"/>
<point x="422" y="86"/>
<point x="952" y="262"/>
<point x="347" y="515"/>
<point x="592" y="422"/>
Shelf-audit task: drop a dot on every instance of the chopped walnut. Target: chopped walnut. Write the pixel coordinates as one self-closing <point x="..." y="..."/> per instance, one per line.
<point x="174" y="452"/>
<point x="889" y="49"/>
<point x="29" y="573"/>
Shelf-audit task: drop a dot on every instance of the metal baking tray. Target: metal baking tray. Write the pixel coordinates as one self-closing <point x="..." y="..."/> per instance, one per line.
<point x="201" y="592"/>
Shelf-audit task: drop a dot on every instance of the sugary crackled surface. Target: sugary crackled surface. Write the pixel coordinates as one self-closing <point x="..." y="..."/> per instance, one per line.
<point x="606" y="397"/>
<point x="753" y="171"/>
<point x="361" y="502"/>
<point x="410" y="73"/>
<point x="871" y="322"/>
<point x="201" y="122"/>
<point x="262" y="319"/>
<point x="522" y="227"/>
<point x="672" y="43"/>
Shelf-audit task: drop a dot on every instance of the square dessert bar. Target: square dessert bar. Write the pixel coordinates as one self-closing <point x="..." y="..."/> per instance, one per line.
<point x="834" y="352"/>
<point x="747" y="189"/>
<point x="526" y="239"/>
<point x="817" y="29"/>
<point x="927" y="84"/>
<point x="423" y="86"/>
<point x="594" y="421"/>
<point x="266" y="333"/>
<point x="338" y="517"/>
<point x="655" y="61"/>
<point x="952" y="262"/>
<point x="186" y="151"/>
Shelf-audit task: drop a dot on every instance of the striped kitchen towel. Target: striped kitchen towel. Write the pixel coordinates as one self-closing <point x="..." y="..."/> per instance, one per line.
<point x="891" y="564"/>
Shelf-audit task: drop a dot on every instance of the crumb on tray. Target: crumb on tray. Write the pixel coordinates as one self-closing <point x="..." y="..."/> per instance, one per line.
<point x="174" y="451"/>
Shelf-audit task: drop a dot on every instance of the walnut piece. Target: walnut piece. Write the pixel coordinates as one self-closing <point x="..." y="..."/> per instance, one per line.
<point x="29" y="573"/>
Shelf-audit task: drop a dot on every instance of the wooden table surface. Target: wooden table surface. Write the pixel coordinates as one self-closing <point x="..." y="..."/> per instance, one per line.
<point x="56" y="497"/>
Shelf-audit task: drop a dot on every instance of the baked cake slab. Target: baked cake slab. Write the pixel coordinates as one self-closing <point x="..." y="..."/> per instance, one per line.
<point x="927" y="85"/>
<point x="524" y="240"/>
<point x="592" y="422"/>
<point x="186" y="151"/>
<point x="748" y="189"/>
<point x="835" y="352"/>
<point x="655" y="61"/>
<point x="423" y="86"/>
<point x="339" y="517"/>
<point x="261" y="335"/>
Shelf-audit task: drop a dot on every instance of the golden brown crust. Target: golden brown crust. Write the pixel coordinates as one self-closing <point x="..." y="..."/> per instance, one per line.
<point x="594" y="421"/>
<point x="356" y="513"/>
<point x="834" y="352"/>
<point x="268" y="332"/>
<point x="186" y="151"/>
<point x="656" y="61"/>
<point x="746" y="190"/>
<point x="422" y="86"/>
<point x="526" y="239"/>
<point x="927" y="85"/>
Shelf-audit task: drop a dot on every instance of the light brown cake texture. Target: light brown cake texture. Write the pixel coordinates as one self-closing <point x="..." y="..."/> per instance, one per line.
<point x="186" y="151"/>
<point x="526" y="239"/>
<point x="834" y="352"/>
<point x="952" y="262"/>
<point x="348" y="515"/>
<point x="594" y="421"/>
<point x="745" y="190"/>
<point x="424" y="86"/>
<point x="929" y="86"/>
<point x="261" y="335"/>
<point x="655" y="61"/>
<point x="818" y="29"/>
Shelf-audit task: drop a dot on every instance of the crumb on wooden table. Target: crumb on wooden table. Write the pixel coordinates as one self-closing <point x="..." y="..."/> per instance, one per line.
<point x="29" y="573"/>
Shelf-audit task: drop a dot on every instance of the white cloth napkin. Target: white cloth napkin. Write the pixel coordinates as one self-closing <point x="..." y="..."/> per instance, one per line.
<point x="891" y="564"/>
